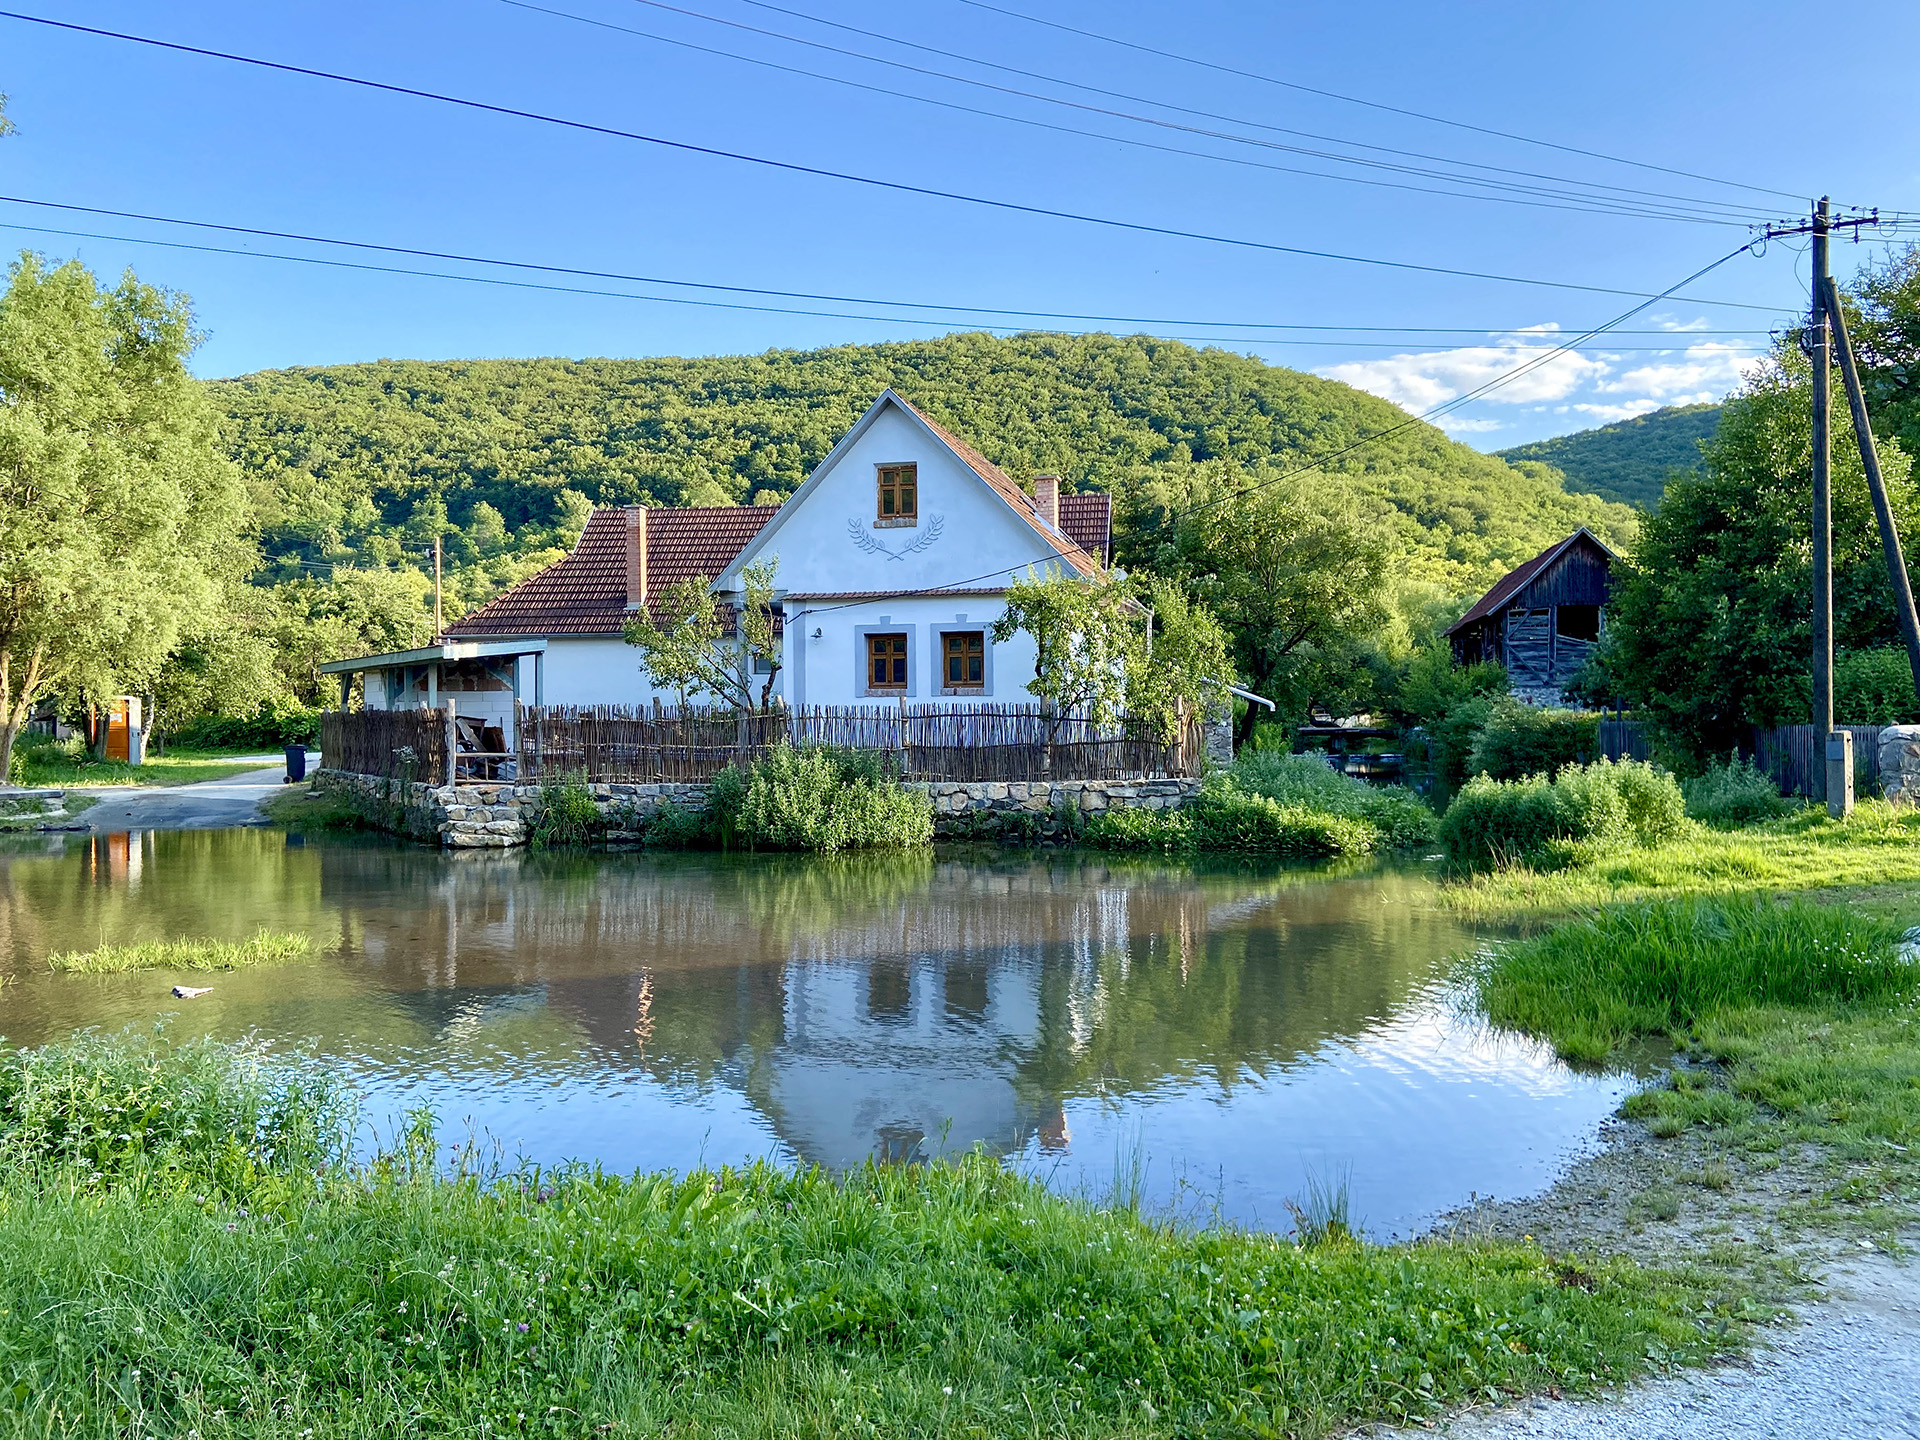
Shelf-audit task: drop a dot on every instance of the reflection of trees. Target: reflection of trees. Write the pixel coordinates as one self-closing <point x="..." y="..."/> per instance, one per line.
<point x="884" y="992"/>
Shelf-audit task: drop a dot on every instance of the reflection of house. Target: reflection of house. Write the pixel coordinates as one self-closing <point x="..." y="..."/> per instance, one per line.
<point x="1542" y="620"/>
<point x="891" y="561"/>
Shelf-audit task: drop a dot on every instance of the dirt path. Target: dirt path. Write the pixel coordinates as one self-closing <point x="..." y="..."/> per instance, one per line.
<point x="1850" y="1368"/>
<point x="208" y="805"/>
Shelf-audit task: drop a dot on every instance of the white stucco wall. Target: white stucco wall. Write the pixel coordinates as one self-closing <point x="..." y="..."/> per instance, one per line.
<point x="591" y="672"/>
<point x="829" y="668"/>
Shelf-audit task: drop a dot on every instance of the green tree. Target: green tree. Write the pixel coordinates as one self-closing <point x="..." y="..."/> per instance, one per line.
<point x="1288" y="562"/>
<point x="1187" y="662"/>
<point x="694" y="649"/>
<point x="1089" y="635"/>
<point x="120" y="519"/>
<point x="1710" y="626"/>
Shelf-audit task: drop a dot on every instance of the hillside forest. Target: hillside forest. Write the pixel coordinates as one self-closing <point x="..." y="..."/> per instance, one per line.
<point x="1628" y="462"/>
<point x="343" y="477"/>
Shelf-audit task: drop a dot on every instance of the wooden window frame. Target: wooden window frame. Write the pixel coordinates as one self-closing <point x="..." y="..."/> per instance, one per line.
<point x="938" y="639"/>
<point x="892" y="482"/>
<point x="963" y="645"/>
<point x="901" y="659"/>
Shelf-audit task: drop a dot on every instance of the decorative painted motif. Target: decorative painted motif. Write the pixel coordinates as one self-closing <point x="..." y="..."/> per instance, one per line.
<point x="866" y="540"/>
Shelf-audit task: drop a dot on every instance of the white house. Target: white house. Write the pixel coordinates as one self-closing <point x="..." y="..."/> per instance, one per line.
<point x="892" y="563"/>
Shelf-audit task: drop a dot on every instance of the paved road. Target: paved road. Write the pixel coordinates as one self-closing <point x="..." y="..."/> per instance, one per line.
<point x="208" y="805"/>
<point x="1852" y="1369"/>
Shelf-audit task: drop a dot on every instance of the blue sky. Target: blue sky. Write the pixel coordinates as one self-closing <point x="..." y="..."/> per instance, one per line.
<point x="1705" y="88"/>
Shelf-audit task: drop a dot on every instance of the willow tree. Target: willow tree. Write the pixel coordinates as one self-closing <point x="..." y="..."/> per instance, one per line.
<point x="120" y="518"/>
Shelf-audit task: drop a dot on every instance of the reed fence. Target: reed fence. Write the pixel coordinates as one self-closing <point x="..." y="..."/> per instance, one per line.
<point x="641" y="745"/>
<point x="392" y="744"/>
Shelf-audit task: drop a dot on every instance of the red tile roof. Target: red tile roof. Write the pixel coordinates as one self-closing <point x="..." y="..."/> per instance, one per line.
<point x="1088" y="521"/>
<point x="586" y="593"/>
<point x="1074" y="553"/>
<point x="1516" y="580"/>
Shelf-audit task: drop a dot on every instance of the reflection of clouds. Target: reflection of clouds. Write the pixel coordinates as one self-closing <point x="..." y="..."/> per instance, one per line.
<point x="1438" y="1041"/>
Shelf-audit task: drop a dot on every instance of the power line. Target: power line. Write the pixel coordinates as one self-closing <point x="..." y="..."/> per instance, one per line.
<point x="1145" y="100"/>
<point x="1375" y="104"/>
<point x="1241" y="341"/>
<point x="792" y="167"/>
<point x="1320" y="462"/>
<point x="638" y="279"/>
<point x="1716" y="213"/>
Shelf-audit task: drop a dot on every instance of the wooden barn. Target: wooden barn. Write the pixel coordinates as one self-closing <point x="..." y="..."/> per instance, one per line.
<point x="1543" y="619"/>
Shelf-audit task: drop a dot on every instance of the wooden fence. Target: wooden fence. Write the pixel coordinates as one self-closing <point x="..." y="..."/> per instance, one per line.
<point x="393" y="744"/>
<point x="1790" y="755"/>
<point x="641" y="745"/>
<point x="1625" y="740"/>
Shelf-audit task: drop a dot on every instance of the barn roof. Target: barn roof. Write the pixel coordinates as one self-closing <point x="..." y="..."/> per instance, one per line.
<point x="1516" y="580"/>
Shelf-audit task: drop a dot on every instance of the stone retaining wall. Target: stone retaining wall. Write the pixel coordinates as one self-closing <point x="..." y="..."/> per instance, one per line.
<point x="1900" y="764"/>
<point x="480" y="815"/>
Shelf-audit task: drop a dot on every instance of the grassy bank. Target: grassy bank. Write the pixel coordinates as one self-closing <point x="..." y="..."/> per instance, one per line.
<point x="266" y="948"/>
<point x="182" y="1248"/>
<point x="1796" y="1024"/>
<point x="1872" y="859"/>
<point x="40" y="762"/>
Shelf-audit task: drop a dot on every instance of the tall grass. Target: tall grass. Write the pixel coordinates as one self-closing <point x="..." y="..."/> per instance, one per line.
<point x="1733" y="793"/>
<point x="163" y="1294"/>
<point x="266" y="948"/>
<point x="1613" y="804"/>
<point x="1663" y="967"/>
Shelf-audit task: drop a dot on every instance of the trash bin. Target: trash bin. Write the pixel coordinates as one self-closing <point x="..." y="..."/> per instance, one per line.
<point x="296" y="763"/>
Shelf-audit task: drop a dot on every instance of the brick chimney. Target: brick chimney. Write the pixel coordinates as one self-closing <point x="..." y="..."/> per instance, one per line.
<point x="1046" y="499"/>
<point x="636" y="557"/>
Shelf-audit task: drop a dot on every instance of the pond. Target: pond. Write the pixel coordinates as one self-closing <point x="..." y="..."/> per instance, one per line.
<point x="1217" y="1041"/>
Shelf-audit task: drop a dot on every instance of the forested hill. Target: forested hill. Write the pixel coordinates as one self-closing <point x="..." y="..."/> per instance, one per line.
<point x="1629" y="461"/>
<point x="345" y="458"/>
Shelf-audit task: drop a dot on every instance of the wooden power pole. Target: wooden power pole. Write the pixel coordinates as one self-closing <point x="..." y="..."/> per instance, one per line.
<point x="437" y="623"/>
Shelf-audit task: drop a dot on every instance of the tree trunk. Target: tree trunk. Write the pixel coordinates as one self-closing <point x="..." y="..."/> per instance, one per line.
<point x="9" y="732"/>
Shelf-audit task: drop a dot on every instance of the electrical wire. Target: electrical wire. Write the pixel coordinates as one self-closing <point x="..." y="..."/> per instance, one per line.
<point x="1240" y="341"/>
<point x="1321" y="461"/>
<point x="1723" y="210"/>
<point x="820" y="172"/>
<point x="584" y="273"/>
<point x="1375" y="104"/>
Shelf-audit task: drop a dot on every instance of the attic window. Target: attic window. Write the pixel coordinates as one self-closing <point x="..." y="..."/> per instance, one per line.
<point x="899" y="497"/>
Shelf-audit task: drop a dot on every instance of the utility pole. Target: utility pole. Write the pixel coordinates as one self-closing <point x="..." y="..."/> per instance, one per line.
<point x="436" y="588"/>
<point x="1820" y="225"/>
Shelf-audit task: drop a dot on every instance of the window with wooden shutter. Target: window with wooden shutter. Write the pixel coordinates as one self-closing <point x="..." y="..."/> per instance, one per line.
<point x="966" y="659"/>
<point x="899" y="501"/>
<point x="886" y="662"/>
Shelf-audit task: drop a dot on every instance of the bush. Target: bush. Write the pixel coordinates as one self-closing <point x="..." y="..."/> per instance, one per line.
<point x="1517" y="740"/>
<point x="820" y="799"/>
<point x="1450" y="741"/>
<point x="568" y="818"/>
<point x="1662" y="967"/>
<point x="1733" y="793"/>
<point x="1874" y="687"/>
<point x="1503" y="822"/>
<point x="1400" y="818"/>
<point x="270" y="729"/>
<point x="1226" y="818"/>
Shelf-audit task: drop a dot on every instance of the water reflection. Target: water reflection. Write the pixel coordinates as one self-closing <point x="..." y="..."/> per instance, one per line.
<point x="1234" y="1027"/>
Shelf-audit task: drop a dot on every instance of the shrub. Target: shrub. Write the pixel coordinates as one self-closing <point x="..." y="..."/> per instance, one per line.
<point x="1517" y="740"/>
<point x="820" y="799"/>
<point x="567" y="817"/>
<point x="1625" y="802"/>
<point x="271" y="728"/>
<point x="1399" y="817"/>
<point x="1733" y="793"/>
<point x="1450" y="740"/>
<point x="1874" y="687"/>
<point x="1227" y="819"/>
<point x="1661" y="967"/>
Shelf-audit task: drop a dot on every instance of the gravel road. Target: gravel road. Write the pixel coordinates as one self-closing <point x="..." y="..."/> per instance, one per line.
<point x="209" y="805"/>
<point x="1850" y="1371"/>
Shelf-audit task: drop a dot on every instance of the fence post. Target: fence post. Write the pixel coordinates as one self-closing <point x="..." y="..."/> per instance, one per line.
<point x="453" y="744"/>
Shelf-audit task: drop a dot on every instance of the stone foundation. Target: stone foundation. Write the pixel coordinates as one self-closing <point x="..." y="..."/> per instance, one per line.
<point x="481" y="815"/>
<point x="1900" y="764"/>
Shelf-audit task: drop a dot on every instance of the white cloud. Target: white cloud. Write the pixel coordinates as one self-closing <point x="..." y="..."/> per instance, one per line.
<point x="1710" y="368"/>
<point x="1466" y="425"/>
<point x="1418" y="382"/>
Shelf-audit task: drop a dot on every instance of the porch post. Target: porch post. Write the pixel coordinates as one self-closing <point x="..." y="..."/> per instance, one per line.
<point x="453" y="742"/>
<point x="539" y="677"/>
<point x="346" y="688"/>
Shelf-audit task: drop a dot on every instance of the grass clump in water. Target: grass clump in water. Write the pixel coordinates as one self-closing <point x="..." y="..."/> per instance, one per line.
<point x="266" y="948"/>
<point x="309" y="1295"/>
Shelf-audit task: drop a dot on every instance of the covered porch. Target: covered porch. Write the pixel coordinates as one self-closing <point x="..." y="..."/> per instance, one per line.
<point x="481" y="682"/>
